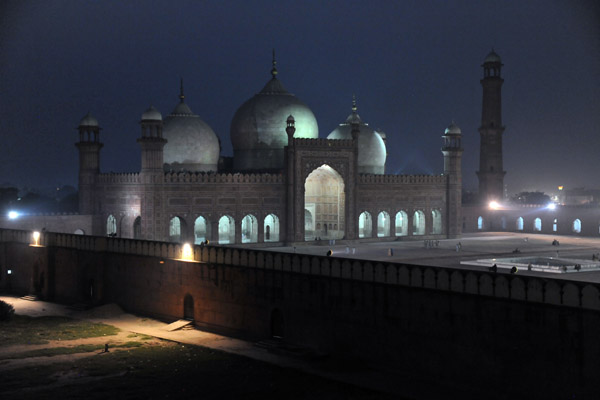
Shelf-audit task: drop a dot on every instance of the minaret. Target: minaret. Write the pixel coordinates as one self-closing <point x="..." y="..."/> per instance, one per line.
<point x="491" y="172"/>
<point x="89" y="162"/>
<point x="291" y="234"/>
<point x="452" y="151"/>
<point x="152" y="144"/>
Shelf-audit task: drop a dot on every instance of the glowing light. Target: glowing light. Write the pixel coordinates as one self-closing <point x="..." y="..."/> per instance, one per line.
<point x="551" y="206"/>
<point x="560" y="187"/>
<point x="494" y="205"/>
<point x="9" y="272"/>
<point x="36" y="238"/>
<point x="187" y="253"/>
<point x="13" y="215"/>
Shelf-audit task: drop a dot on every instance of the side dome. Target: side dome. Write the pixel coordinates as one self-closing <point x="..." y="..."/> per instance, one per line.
<point x="371" y="147"/>
<point x="88" y="120"/>
<point x="151" y="114"/>
<point x="493" y="57"/>
<point x="452" y="129"/>
<point x="191" y="144"/>
<point x="258" y="127"/>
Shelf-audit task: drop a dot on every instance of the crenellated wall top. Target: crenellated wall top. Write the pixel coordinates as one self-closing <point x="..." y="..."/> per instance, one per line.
<point x="113" y="177"/>
<point x="387" y="179"/>
<point x="321" y="142"/>
<point x="547" y="290"/>
<point x="202" y="177"/>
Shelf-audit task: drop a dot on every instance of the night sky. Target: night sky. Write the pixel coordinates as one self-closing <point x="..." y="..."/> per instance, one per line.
<point x="414" y="66"/>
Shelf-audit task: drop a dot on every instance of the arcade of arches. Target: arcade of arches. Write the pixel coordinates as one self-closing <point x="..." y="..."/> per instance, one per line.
<point x="324" y="218"/>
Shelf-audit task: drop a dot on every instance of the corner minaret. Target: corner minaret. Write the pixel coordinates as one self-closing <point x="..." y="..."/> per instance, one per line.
<point x="452" y="151"/>
<point x="491" y="172"/>
<point x="89" y="162"/>
<point x="152" y="144"/>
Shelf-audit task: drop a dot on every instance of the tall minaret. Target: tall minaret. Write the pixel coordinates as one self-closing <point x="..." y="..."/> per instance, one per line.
<point x="89" y="162"/>
<point x="452" y="151"/>
<point x="491" y="172"/>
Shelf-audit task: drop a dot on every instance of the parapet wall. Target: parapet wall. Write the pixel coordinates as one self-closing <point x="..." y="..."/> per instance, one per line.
<point x="321" y="142"/>
<point x="404" y="179"/>
<point x="119" y="178"/>
<point x="482" y="283"/>
<point x="474" y="330"/>
<point x="200" y="177"/>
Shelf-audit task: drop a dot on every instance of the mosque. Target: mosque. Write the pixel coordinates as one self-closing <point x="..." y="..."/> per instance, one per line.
<point x="284" y="184"/>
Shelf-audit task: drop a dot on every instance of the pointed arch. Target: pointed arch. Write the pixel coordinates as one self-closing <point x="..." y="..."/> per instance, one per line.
<point x="418" y="223"/>
<point x="436" y="222"/>
<point x="401" y="225"/>
<point x="249" y="229"/>
<point x="383" y="224"/>
<point x="226" y="230"/>
<point x="111" y="225"/>
<point x="201" y="229"/>
<point x="324" y="199"/>
<point x="577" y="225"/>
<point x="520" y="223"/>
<point x="365" y="225"/>
<point x="271" y="228"/>
<point x="176" y="229"/>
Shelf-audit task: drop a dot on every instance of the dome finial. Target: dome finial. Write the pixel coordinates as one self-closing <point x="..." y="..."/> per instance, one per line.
<point x="181" y="96"/>
<point x="274" y="69"/>
<point x="354" y="108"/>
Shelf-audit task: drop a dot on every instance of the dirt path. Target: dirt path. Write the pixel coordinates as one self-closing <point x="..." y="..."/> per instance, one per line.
<point x="6" y="351"/>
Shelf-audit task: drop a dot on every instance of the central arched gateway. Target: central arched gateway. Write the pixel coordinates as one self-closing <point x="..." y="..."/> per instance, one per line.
<point x="324" y="202"/>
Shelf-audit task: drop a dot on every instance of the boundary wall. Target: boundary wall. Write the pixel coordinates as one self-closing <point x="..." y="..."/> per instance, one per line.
<point x="495" y="335"/>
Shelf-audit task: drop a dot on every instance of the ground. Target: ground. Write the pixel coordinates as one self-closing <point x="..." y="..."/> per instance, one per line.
<point x="50" y="350"/>
<point x="473" y="247"/>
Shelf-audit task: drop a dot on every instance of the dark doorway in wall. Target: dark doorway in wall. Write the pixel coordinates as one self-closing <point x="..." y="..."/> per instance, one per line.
<point x="188" y="307"/>
<point x="277" y="325"/>
<point x="90" y="290"/>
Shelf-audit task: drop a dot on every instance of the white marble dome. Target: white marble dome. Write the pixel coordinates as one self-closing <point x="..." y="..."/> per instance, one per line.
<point x="371" y="147"/>
<point x="88" y="120"/>
<point x="258" y="127"/>
<point x="191" y="143"/>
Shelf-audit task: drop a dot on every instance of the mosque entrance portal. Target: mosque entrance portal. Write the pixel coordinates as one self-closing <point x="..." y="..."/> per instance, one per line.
<point x="324" y="204"/>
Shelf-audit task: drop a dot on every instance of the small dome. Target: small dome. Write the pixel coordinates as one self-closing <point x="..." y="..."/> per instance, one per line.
<point x="493" y="57"/>
<point x="151" y="114"/>
<point x="191" y="143"/>
<point x="88" y="120"/>
<point x="371" y="147"/>
<point x="258" y="132"/>
<point x="452" y="129"/>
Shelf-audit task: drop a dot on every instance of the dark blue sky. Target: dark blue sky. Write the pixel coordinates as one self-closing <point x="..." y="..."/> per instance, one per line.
<point x="413" y="65"/>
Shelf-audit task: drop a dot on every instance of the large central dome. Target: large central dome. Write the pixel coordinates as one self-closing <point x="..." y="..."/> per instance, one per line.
<point x="258" y="126"/>
<point x="191" y="144"/>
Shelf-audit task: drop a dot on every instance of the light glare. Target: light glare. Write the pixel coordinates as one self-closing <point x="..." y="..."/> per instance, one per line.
<point x="13" y="215"/>
<point x="494" y="205"/>
<point x="186" y="252"/>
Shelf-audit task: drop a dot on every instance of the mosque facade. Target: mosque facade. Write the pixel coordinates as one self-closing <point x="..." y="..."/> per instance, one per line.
<point x="284" y="184"/>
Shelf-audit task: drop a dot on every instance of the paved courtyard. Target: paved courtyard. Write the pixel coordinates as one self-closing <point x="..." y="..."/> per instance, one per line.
<point x="443" y="253"/>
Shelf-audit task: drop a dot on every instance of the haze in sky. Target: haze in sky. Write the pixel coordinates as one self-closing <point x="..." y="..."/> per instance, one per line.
<point x="414" y="66"/>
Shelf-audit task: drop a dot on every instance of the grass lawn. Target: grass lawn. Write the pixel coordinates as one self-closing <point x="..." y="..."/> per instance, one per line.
<point x="141" y="367"/>
<point x="173" y="371"/>
<point x="28" y="330"/>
